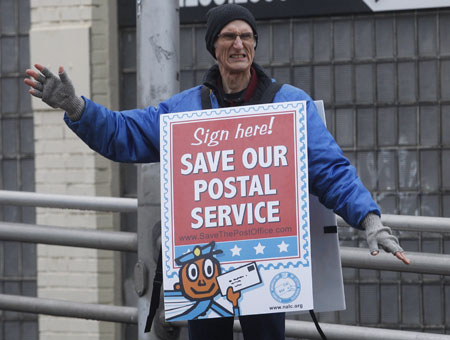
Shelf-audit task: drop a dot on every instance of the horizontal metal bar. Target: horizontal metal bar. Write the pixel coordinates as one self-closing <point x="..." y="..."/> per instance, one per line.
<point x="125" y="241"/>
<point x="424" y="263"/>
<point x="116" y="204"/>
<point x="86" y="238"/>
<point x="417" y="223"/>
<point x="129" y="315"/>
<point x="33" y="199"/>
<point x="305" y="329"/>
<point x="69" y="309"/>
<point x="412" y="223"/>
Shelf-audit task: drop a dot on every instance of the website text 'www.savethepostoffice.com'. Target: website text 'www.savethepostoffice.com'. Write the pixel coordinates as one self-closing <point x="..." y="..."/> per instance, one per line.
<point x="221" y="234"/>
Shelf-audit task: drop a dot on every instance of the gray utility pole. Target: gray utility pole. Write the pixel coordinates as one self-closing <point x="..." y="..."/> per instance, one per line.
<point x="158" y="29"/>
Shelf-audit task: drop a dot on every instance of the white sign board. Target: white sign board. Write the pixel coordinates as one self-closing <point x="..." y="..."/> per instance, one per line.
<point x="235" y="212"/>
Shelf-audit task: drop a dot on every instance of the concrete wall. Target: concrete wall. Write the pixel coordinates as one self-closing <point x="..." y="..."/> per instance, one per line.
<point x="81" y="35"/>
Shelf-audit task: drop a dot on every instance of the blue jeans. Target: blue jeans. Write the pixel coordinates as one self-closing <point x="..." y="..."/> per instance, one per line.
<point x="254" y="327"/>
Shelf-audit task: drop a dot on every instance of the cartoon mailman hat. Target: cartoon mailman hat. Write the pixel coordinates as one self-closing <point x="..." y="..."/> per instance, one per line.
<point x="198" y="253"/>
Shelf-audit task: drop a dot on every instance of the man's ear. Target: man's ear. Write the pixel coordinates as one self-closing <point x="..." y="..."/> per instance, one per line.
<point x="176" y="286"/>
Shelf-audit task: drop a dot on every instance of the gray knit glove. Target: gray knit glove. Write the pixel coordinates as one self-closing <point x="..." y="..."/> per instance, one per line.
<point x="56" y="91"/>
<point x="379" y="235"/>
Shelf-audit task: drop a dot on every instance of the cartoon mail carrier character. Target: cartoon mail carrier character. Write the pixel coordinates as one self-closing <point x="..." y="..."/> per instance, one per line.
<point x="198" y="284"/>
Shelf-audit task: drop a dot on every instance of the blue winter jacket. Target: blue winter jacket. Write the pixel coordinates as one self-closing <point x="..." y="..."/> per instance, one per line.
<point x="133" y="136"/>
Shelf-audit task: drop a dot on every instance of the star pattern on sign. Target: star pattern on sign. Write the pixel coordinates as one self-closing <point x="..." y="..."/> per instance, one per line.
<point x="283" y="247"/>
<point x="259" y="248"/>
<point x="235" y="251"/>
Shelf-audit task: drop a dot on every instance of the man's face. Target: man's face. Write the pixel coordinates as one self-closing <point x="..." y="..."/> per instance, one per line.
<point x="235" y="55"/>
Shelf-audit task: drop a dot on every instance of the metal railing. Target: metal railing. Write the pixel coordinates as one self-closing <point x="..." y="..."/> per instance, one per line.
<point x="73" y="237"/>
<point x="412" y="223"/>
<point x="113" y="204"/>
<point x="126" y="241"/>
<point x="423" y="263"/>
<point x="34" y="199"/>
<point x="69" y="309"/>
<point x="305" y="329"/>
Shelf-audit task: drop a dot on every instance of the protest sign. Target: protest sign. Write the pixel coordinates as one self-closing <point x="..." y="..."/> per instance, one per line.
<point x="234" y="211"/>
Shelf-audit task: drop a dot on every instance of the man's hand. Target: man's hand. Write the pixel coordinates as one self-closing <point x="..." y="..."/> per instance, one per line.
<point x="55" y="91"/>
<point x="381" y="236"/>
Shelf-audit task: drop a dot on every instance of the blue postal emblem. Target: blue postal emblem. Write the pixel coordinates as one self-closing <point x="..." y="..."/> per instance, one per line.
<point x="285" y="287"/>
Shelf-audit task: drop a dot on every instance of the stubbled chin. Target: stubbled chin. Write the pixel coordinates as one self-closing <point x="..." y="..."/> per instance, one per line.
<point x="238" y="66"/>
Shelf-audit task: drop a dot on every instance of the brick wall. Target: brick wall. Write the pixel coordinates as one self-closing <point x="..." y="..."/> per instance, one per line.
<point x="80" y="35"/>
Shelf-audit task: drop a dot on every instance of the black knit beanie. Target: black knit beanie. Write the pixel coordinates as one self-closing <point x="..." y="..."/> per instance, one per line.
<point x="220" y="16"/>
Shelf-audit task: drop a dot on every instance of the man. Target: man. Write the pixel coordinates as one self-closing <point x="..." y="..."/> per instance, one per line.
<point x="133" y="136"/>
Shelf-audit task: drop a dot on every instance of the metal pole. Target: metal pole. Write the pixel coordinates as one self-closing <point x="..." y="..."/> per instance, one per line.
<point x="424" y="263"/>
<point x="305" y="329"/>
<point x="109" y="313"/>
<point x="33" y="199"/>
<point x="157" y="79"/>
<point x="417" y="223"/>
<point x="86" y="238"/>
<point x="411" y="223"/>
<point x="119" y="204"/>
<point x="68" y="309"/>
<point x="438" y="264"/>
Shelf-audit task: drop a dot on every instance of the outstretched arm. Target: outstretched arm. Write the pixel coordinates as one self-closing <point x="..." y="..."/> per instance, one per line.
<point x="127" y="136"/>
<point x="55" y="91"/>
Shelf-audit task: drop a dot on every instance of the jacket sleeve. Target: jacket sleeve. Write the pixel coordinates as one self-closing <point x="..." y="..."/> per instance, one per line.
<point x="125" y="136"/>
<point x="331" y="176"/>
